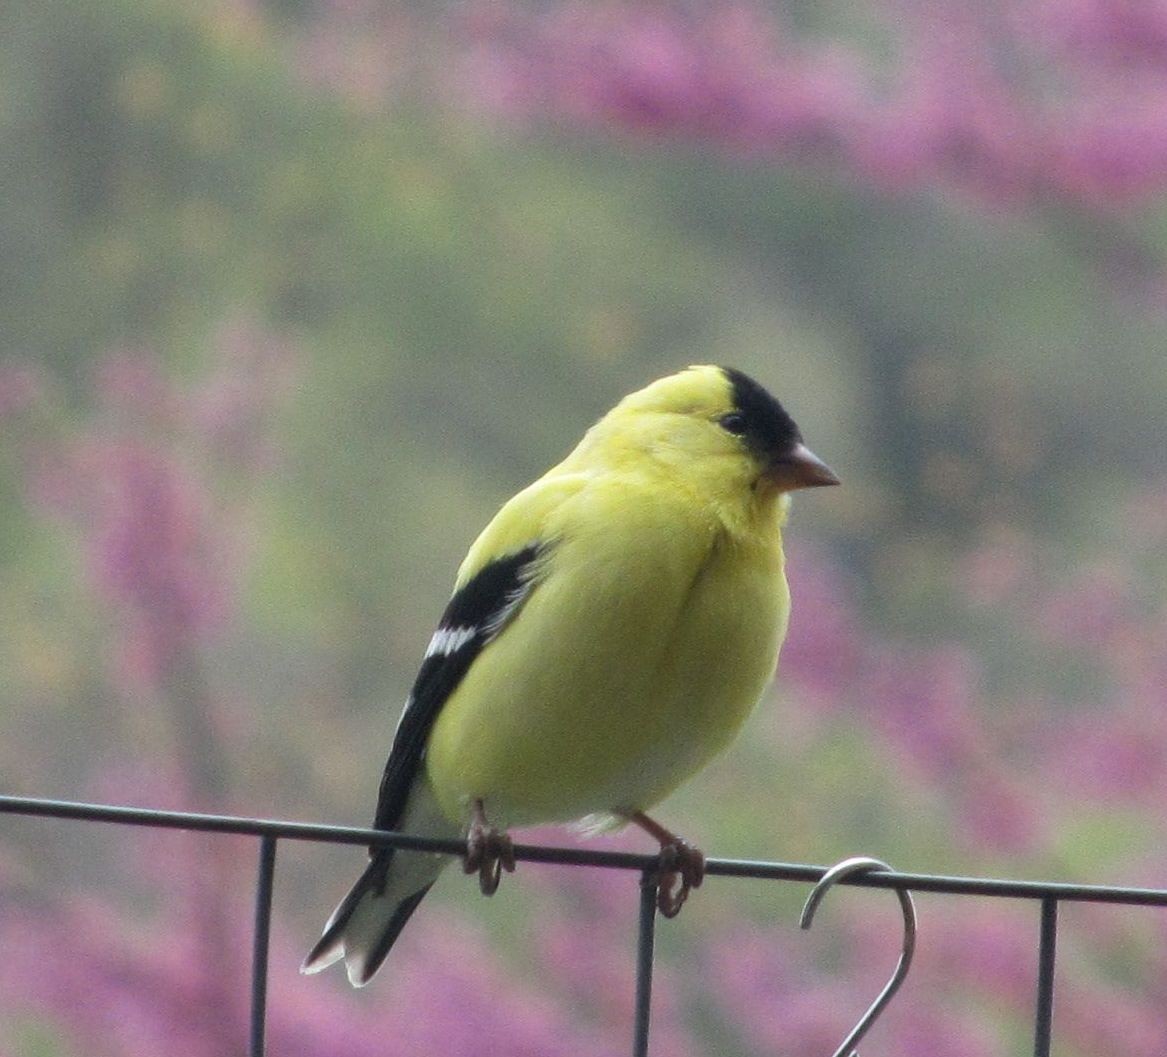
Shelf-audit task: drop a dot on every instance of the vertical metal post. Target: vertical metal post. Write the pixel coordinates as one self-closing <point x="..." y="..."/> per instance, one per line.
<point x="644" y="959"/>
<point x="1047" y="949"/>
<point x="259" y="950"/>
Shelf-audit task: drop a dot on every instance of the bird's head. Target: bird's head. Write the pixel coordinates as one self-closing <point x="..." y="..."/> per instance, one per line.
<point x="715" y="428"/>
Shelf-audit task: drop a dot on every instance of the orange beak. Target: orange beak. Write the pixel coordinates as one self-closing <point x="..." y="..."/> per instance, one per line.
<point x="799" y="468"/>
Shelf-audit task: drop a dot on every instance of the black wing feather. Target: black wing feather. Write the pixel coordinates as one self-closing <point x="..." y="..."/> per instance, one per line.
<point x="472" y="618"/>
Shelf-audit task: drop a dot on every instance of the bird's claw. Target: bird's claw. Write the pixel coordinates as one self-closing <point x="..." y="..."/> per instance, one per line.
<point x="679" y="861"/>
<point x="488" y="852"/>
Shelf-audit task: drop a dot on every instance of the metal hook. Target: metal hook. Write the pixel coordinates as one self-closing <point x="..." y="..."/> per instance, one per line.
<point x="831" y="878"/>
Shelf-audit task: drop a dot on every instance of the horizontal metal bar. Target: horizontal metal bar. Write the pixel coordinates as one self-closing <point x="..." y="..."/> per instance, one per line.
<point x="257" y="827"/>
<point x="947" y="883"/>
<point x="306" y="831"/>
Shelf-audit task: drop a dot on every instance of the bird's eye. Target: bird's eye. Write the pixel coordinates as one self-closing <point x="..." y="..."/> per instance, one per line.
<point x="734" y="422"/>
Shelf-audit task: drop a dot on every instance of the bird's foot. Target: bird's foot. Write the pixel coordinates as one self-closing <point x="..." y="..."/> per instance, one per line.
<point x="682" y="866"/>
<point x="679" y="862"/>
<point x="489" y="851"/>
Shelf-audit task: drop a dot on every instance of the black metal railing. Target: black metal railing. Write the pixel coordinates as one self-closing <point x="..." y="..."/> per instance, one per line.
<point x="268" y="832"/>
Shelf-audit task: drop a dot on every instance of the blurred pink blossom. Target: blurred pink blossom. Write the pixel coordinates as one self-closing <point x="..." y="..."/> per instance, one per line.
<point x="825" y="647"/>
<point x="162" y="537"/>
<point x="132" y="389"/>
<point x="924" y="703"/>
<point x="122" y="989"/>
<point x="995" y="572"/>
<point x="769" y="995"/>
<point x="1051" y="98"/>
<point x="1108" y="1019"/>
<point x="364" y="51"/>
<point x="936" y="1031"/>
<point x="154" y="552"/>
<point x="1109" y="759"/>
<point x="777" y="1002"/>
<point x="1088" y="611"/>
<point x="998" y="812"/>
<point x="453" y="998"/>
<point x="988" y="947"/>
<point x="729" y="77"/>
<point x="230" y="413"/>
<point x="1122" y="33"/>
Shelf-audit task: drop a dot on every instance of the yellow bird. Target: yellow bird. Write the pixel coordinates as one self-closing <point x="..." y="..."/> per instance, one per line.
<point x="609" y="632"/>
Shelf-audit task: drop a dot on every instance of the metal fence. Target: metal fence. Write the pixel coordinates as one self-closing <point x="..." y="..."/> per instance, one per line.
<point x="863" y="872"/>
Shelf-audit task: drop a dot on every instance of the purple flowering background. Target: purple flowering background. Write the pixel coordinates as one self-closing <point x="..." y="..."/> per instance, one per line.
<point x="294" y="294"/>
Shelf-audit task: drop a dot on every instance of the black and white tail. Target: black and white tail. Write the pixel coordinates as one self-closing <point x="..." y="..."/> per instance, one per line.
<point x="369" y="919"/>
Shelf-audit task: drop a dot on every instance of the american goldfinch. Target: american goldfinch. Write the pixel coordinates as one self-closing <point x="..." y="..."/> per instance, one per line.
<point x="609" y="632"/>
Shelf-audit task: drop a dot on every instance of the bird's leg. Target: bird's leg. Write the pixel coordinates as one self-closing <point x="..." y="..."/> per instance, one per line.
<point x="488" y="851"/>
<point x="678" y="860"/>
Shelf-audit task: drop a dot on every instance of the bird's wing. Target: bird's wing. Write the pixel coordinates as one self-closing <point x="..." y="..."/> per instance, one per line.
<point x="488" y="593"/>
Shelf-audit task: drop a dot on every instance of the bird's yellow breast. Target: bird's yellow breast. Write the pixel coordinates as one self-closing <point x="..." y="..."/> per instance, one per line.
<point x="636" y="658"/>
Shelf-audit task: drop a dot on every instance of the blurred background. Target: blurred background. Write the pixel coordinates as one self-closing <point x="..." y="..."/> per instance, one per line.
<point x="293" y="293"/>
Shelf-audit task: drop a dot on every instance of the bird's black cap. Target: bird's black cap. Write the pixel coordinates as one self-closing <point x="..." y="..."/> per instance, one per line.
<point x="769" y="429"/>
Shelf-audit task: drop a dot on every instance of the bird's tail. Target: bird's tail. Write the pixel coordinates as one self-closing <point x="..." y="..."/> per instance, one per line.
<point x="369" y="919"/>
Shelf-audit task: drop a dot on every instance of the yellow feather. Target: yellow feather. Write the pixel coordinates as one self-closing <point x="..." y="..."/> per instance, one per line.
<point x="642" y="637"/>
<point x="652" y="630"/>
